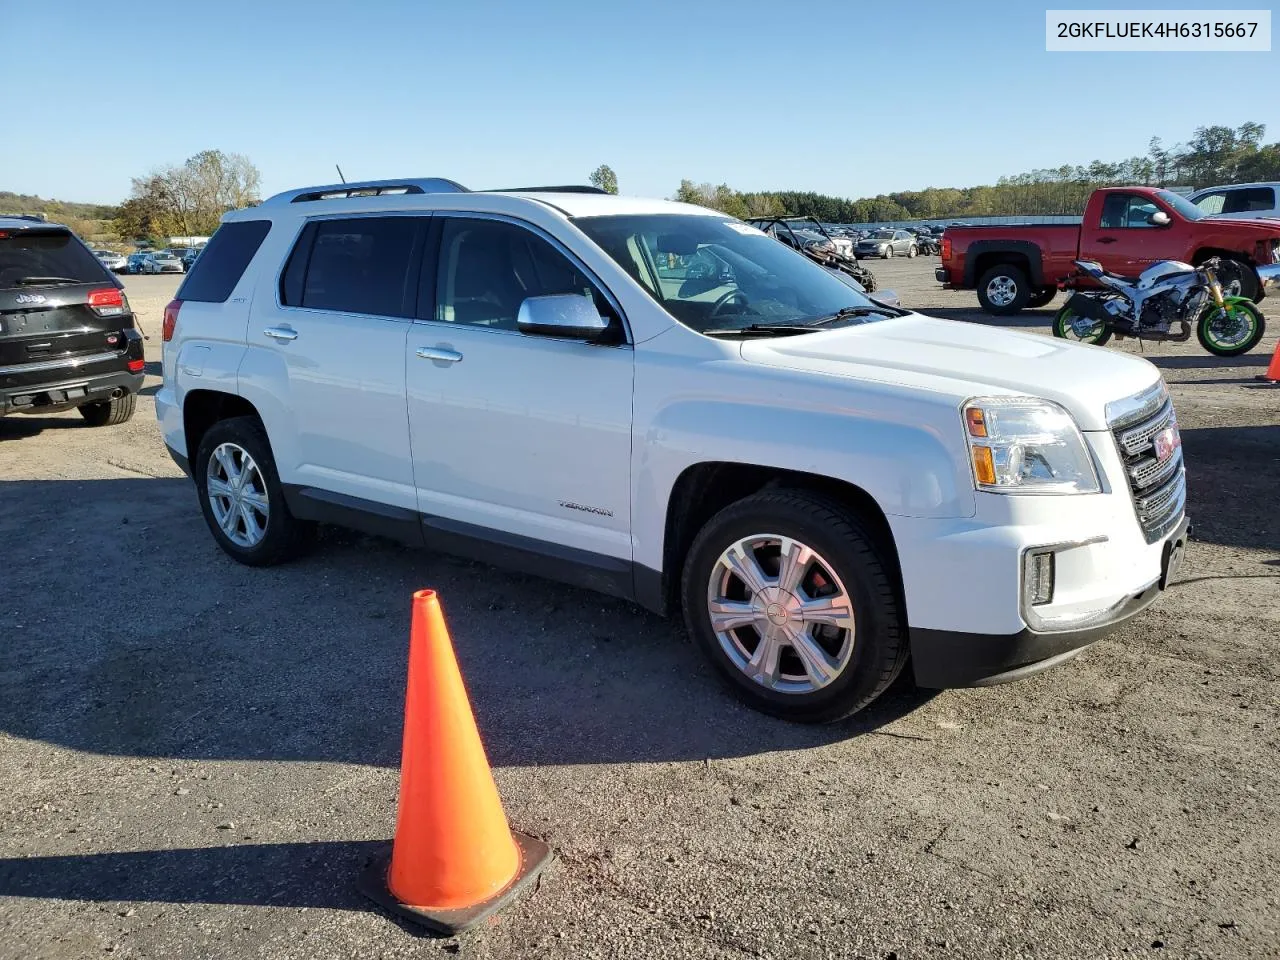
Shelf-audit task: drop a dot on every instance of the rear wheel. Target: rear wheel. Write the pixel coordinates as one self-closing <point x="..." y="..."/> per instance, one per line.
<point x="1070" y="325"/>
<point x="241" y="497"/>
<point x="1232" y="330"/>
<point x="912" y="251"/>
<point x="1003" y="290"/>
<point x="791" y="600"/>
<point x="108" y="413"/>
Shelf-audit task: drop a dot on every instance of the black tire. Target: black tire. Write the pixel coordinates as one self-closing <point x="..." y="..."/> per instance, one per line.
<point x="888" y="252"/>
<point x="1011" y="275"/>
<point x="109" y="413"/>
<point x="879" y="647"/>
<point x="1238" y="279"/>
<point x="1205" y="337"/>
<point x="1042" y="297"/>
<point x="285" y="536"/>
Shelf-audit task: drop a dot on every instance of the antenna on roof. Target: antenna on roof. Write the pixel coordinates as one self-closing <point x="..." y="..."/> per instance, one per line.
<point x="340" y="176"/>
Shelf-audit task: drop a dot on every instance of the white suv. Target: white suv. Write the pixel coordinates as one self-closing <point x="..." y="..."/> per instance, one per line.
<point x="659" y="402"/>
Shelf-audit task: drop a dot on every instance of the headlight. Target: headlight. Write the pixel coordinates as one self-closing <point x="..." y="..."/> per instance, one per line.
<point x="1025" y="445"/>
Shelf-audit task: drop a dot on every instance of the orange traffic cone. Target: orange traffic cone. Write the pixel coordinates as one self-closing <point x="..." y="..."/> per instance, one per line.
<point x="1273" y="370"/>
<point x="454" y="860"/>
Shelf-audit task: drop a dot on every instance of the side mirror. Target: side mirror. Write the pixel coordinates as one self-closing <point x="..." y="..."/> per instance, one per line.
<point x="1158" y="219"/>
<point x="569" y="315"/>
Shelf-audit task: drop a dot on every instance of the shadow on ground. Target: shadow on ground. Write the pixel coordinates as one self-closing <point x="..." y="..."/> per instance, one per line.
<point x="183" y="653"/>
<point x="318" y="874"/>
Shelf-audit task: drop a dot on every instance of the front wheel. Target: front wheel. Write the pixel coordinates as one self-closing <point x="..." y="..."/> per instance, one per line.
<point x="1042" y="297"/>
<point x="1232" y="329"/>
<point x="793" y="603"/>
<point x="888" y="252"/>
<point x="1070" y="325"/>
<point x="911" y="252"/>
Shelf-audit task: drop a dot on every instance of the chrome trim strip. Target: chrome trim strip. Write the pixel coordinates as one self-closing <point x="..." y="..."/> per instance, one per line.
<point x="1130" y="410"/>
<point x="73" y="362"/>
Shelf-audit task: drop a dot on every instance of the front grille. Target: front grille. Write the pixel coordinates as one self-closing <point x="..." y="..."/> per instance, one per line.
<point x="1158" y="488"/>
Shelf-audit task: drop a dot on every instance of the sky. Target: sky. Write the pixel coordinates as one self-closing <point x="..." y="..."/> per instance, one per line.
<point x="847" y="98"/>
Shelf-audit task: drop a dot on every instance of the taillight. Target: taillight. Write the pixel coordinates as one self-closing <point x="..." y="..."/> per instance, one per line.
<point x="136" y="366"/>
<point x="946" y="247"/>
<point x="107" y="302"/>
<point x="170" y="319"/>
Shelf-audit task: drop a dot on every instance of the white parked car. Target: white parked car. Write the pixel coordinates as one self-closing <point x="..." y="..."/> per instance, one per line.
<point x="820" y="483"/>
<point x="115" y="262"/>
<point x="1241" y="201"/>
<point x="160" y="263"/>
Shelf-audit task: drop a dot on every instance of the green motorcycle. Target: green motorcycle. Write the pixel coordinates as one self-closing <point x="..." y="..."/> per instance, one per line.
<point x="1163" y="303"/>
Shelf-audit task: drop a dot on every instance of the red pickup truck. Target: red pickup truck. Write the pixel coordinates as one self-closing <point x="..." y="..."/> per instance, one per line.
<point x="1126" y="229"/>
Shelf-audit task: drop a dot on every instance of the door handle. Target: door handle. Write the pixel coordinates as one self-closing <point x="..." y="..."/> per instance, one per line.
<point x="281" y="333"/>
<point x="1106" y="239"/>
<point x="439" y="353"/>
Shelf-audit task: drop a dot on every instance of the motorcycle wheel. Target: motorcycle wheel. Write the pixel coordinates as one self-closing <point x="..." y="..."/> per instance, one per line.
<point x="1069" y="325"/>
<point x="1231" y="331"/>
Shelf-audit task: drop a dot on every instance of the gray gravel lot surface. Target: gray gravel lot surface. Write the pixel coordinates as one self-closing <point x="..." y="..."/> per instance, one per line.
<point x="196" y="757"/>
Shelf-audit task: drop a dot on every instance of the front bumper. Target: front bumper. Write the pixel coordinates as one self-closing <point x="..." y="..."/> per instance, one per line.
<point x="970" y="620"/>
<point x="1269" y="280"/>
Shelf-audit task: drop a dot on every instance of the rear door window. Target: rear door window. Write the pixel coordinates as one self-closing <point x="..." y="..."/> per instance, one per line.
<point x="355" y="265"/>
<point x="215" y="273"/>
<point x="29" y="256"/>
<point x="1211" y="204"/>
<point x="1249" y="200"/>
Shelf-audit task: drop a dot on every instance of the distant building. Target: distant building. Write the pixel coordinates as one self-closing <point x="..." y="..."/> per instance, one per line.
<point x="188" y="241"/>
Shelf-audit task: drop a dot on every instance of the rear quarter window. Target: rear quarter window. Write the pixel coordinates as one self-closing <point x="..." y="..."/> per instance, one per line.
<point x="31" y="254"/>
<point x="217" y="270"/>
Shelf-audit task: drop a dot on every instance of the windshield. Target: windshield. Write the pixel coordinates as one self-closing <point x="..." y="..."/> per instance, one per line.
<point x="713" y="273"/>
<point x="881" y="235"/>
<point x="1184" y="206"/>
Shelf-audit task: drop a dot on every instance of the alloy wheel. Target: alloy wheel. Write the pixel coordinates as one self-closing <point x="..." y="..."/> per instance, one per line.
<point x="781" y="613"/>
<point x="1002" y="291"/>
<point x="237" y="495"/>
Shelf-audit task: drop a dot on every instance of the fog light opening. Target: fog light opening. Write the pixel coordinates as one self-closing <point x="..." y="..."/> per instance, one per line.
<point x="1038" y="577"/>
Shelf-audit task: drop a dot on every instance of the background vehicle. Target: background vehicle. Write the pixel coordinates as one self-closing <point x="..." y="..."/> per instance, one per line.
<point x="660" y="402"/>
<point x="67" y="337"/>
<point x="1125" y="229"/>
<point x="115" y="262"/>
<point x="133" y="263"/>
<point x="928" y="243"/>
<point x="1241" y="201"/>
<point x="161" y="262"/>
<point x="887" y="243"/>
<point x="811" y="238"/>
<point x="1165" y="294"/>
<point x="189" y="257"/>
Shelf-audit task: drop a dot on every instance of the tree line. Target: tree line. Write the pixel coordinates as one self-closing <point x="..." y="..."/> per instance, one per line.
<point x="1214" y="155"/>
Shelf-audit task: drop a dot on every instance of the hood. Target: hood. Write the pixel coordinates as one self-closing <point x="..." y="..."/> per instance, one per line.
<point x="965" y="360"/>
<point x="1260" y="228"/>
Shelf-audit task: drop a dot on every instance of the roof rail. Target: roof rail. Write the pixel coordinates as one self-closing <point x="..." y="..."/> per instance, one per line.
<point x="365" y="188"/>
<point x="35" y="217"/>
<point x="571" y="188"/>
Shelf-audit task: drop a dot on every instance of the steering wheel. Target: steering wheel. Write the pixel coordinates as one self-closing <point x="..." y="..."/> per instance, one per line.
<point x="724" y="301"/>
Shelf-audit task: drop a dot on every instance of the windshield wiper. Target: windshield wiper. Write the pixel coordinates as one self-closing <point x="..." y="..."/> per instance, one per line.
<point x="845" y="313"/>
<point x="760" y="329"/>
<point x="37" y="281"/>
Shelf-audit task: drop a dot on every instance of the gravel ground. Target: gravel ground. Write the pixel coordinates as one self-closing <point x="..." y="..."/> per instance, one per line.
<point x="197" y="757"/>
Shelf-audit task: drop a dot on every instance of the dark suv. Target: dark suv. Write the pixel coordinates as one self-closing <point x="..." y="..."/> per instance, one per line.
<point x="67" y="336"/>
